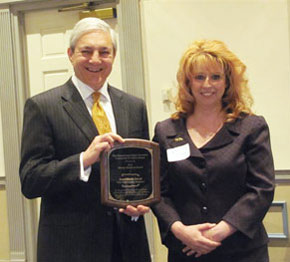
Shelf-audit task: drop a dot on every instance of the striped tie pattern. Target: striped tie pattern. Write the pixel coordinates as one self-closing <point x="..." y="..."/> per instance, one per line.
<point x="99" y="115"/>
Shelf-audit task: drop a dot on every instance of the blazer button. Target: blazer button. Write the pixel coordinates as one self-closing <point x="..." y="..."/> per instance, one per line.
<point x="203" y="186"/>
<point x="204" y="210"/>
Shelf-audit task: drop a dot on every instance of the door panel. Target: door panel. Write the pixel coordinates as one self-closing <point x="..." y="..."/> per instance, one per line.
<point x="47" y="36"/>
<point x="47" y="40"/>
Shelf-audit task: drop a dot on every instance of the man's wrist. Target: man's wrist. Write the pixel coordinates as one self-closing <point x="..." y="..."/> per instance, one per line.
<point x="84" y="171"/>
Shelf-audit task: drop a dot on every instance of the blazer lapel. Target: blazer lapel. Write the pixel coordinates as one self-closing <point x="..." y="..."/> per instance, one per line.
<point x="224" y="136"/>
<point x="75" y="107"/>
<point x="120" y="111"/>
<point x="178" y="136"/>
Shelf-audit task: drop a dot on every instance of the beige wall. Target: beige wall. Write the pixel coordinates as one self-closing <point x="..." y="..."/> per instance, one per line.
<point x="4" y="235"/>
<point x="279" y="249"/>
<point x="2" y="174"/>
<point x="256" y="30"/>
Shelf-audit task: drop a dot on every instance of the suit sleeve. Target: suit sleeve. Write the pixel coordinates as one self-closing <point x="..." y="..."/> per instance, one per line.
<point x="251" y="208"/>
<point x="41" y="174"/>
<point x="145" y="129"/>
<point x="164" y="210"/>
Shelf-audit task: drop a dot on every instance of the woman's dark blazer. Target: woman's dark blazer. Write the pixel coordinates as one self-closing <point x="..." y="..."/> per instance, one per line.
<point x="230" y="178"/>
<point x="74" y="226"/>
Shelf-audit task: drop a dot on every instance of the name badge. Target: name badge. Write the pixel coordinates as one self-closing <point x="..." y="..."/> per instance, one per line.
<point x="178" y="153"/>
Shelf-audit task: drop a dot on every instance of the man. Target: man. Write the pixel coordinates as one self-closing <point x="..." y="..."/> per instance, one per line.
<point x="61" y="144"/>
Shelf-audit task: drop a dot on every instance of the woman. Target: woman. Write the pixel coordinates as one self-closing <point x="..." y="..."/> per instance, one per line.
<point x="217" y="173"/>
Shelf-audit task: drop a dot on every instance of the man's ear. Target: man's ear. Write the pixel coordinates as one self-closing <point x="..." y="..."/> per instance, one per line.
<point x="70" y="53"/>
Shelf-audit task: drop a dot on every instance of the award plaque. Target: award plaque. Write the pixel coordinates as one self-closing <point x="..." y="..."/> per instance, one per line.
<point x="130" y="174"/>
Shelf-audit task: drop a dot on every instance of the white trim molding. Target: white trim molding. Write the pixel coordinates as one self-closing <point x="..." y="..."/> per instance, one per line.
<point x="131" y="52"/>
<point x="9" y="113"/>
<point x="285" y="233"/>
<point x="282" y="176"/>
<point x="2" y="184"/>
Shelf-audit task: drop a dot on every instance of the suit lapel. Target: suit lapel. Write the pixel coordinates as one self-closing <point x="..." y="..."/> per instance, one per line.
<point x="120" y="111"/>
<point x="75" y="107"/>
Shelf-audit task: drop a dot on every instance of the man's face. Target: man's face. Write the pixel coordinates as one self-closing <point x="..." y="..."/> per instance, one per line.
<point x="93" y="58"/>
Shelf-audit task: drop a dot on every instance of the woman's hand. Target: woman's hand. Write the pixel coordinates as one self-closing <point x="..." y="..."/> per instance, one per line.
<point x="194" y="240"/>
<point x="219" y="232"/>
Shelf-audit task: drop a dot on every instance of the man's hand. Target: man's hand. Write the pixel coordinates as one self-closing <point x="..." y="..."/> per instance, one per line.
<point x="134" y="211"/>
<point x="98" y="145"/>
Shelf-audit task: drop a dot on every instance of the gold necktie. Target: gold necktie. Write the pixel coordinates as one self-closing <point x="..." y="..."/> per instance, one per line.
<point x="99" y="116"/>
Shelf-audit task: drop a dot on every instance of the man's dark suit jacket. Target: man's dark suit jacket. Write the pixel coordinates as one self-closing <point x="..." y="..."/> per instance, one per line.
<point x="73" y="225"/>
<point x="230" y="178"/>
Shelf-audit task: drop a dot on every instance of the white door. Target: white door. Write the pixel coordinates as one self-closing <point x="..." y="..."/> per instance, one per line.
<point x="47" y="39"/>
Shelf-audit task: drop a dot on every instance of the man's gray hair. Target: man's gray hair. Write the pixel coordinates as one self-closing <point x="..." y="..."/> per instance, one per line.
<point x="90" y="24"/>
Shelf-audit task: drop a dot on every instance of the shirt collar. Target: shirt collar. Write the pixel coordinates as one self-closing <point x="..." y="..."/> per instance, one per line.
<point x="86" y="91"/>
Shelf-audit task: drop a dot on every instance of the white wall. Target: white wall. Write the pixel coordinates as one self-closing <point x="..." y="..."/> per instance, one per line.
<point x="256" y="30"/>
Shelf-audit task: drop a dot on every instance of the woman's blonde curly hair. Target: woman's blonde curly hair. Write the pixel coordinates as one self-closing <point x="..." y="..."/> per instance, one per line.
<point x="236" y="99"/>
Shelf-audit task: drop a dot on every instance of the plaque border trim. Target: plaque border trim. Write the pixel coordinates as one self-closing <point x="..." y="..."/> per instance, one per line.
<point x="154" y="196"/>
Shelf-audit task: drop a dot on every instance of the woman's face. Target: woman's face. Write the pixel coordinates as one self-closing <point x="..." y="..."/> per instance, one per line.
<point x="208" y="85"/>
